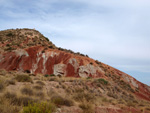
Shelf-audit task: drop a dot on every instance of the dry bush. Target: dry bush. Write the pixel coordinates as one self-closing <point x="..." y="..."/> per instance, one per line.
<point x="80" y="96"/>
<point x="64" y="86"/>
<point x="40" y="94"/>
<point x="111" y="94"/>
<point x="78" y="90"/>
<point x="2" y="86"/>
<point x="51" y="92"/>
<point x="27" y="91"/>
<point x="23" y="78"/>
<point x="38" y="87"/>
<point x="23" y="100"/>
<point x="87" y="107"/>
<point x="14" y="99"/>
<point x="53" y="79"/>
<point x="131" y="103"/>
<point x="147" y="108"/>
<point x="57" y="86"/>
<point x="68" y="90"/>
<point x="121" y="101"/>
<point x="3" y="72"/>
<point x="40" y="83"/>
<point x="58" y="100"/>
<point x="125" y="86"/>
<point x="36" y="78"/>
<point x="7" y="107"/>
<point x="104" y="99"/>
<point x="10" y="82"/>
<point x="9" y="95"/>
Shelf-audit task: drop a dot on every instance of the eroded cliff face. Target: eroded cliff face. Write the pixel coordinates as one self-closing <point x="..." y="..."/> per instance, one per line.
<point x="51" y="61"/>
<point x="45" y="58"/>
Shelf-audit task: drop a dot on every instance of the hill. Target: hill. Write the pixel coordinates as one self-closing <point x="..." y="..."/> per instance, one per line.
<point x="97" y="86"/>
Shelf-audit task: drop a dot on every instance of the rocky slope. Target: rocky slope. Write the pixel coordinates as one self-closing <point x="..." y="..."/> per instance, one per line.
<point x="27" y="50"/>
<point x="64" y="95"/>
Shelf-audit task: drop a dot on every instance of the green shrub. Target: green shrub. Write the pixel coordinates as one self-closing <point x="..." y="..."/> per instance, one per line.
<point x="9" y="49"/>
<point x="23" y="78"/>
<point x="51" y="47"/>
<point x="27" y="71"/>
<point x="43" y="107"/>
<point x="46" y="38"/>
<point x="9" y="34"/>
<point x="88" y="77"/>
<point x="7" y="44"/>
<point x="103" y="81"/>
<point x="52" y="75"/>
<point x="46" y="75"/>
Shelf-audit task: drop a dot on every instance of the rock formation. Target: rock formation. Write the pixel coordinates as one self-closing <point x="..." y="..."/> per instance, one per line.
<point x="28" y="50"/>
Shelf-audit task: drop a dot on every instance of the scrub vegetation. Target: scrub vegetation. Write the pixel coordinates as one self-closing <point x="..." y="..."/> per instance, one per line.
<point x="24" y="93"/>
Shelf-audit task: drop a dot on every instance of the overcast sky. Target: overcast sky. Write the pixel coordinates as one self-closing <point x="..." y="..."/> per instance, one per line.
<point x="116" y="32"/>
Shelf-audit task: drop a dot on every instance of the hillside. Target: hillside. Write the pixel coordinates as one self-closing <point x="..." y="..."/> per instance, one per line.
<point x="97" y="86"/>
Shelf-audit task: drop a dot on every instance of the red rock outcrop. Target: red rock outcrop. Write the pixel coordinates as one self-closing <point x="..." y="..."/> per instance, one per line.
<point x="51" y="61"/>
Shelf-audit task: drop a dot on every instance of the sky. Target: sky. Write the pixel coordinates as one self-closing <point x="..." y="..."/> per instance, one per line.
<point x="115" y="32"/>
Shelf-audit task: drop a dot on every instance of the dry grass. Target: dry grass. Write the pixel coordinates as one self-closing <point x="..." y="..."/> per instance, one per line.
<point x="2" y="86"/>
<point x="3" y="72"/>
<point x="10" y="95"/>
<point x="53" y="79"/>
<point x="17" y="100"/>
<point x="131" y="104"/>
<point x="113" y="95"/>
<point x="87" y="107"/>
<point x="58" y="100"/>
<point x="38" y="87"/>
<point x="10" y="82"/>
<point x="40" y="94"/>
<point x="27" y="91"/>
<point x="23" y="78"/>
<point x="40" y="83"/>
<point x="83" y="93"/>
<point x="7" y="107"/>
